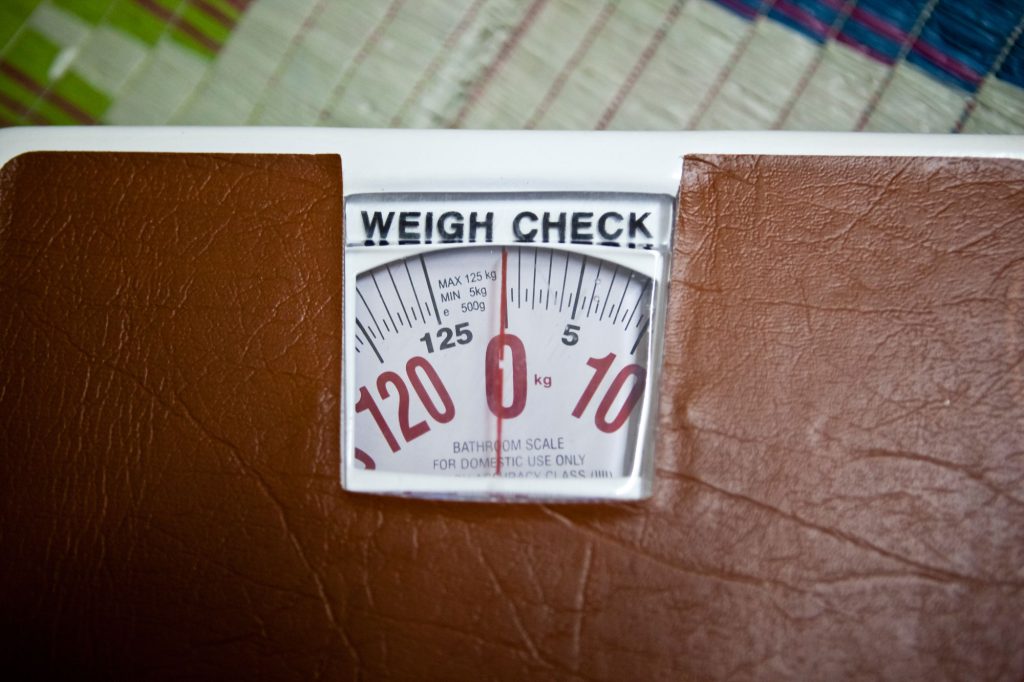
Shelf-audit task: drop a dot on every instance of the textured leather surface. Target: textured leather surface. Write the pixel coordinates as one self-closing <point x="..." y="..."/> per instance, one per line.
<point x="840" y="487"/>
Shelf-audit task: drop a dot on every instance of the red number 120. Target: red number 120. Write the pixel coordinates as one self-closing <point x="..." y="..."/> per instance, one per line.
<point x="442" y="414"/>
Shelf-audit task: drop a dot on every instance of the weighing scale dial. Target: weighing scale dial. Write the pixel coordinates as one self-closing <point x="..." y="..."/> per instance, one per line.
<point x="501" y="370"/>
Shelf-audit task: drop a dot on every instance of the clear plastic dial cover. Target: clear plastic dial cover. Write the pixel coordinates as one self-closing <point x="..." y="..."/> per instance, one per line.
<point x="503" y="346"/>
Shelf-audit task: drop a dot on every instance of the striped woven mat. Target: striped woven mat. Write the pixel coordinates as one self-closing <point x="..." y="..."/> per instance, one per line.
<point x="900" y="65"/>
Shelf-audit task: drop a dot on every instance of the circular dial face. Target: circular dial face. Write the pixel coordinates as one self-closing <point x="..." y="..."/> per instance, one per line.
<point x="517" y="361"/>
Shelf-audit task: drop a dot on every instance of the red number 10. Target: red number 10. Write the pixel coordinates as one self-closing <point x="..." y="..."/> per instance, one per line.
<point x="601" y="367"/>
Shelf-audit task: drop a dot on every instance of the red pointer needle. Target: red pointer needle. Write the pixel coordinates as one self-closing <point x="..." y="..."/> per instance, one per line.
<point x="502" y="323"/>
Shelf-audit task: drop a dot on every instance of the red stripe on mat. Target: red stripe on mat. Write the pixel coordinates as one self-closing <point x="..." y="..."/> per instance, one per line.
<point x="570" y="66"/>
<point x="864" y="49"/>
<point x="215" y="13"/>
<point x="935" y="55"/>
<point x="275" y="77"/>
<point x="876" y="24"/>
<point x="481" y="84"/>
<point x="741" y="9"/>
<point x="641" y="64"/>
<point x="972" y="102"/>
<point x="364" y="50"/>
<point x="25" y="81"/>
<point x="21" y="110"/>
<point x="802" y="17"/>
<point x="449" y="43"/>
<point x="946" y="62"/>
<point x="179" y="23"/>
<point x="906" y="46"/>
<point x="730" y="65"/>
<point x="240" y="5"/>
<point x="805" y="79"/>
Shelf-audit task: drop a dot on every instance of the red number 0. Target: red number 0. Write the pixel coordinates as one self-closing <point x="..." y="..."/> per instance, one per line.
<point x="601" y="367"/>
<point x="494" y="380"/>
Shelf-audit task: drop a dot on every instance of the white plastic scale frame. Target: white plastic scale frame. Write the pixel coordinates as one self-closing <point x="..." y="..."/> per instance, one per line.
<point x="426" y="161"/>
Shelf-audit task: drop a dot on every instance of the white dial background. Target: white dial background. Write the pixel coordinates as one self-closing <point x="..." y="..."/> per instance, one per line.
<point x="423" y="325"/>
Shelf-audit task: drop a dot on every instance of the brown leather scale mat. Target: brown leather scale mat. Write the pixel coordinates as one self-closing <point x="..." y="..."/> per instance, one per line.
<point x="840" y="488"/>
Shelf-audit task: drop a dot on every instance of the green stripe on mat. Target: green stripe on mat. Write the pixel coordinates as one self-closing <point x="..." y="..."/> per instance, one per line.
<point x="222" y="19"/>
<point x="144" y="19"/>
<point x="32" y="54"/>
<point x="199" y="31"/>
<point x="226" y="8"/>
<point x="91" y="11"/>
<point x="13" y="109"/>
<point x="40" y="110"/>
<point x="14" y="13"/>
<point x="76" y="89"/>
<point x="25" y="80"/>
<point x="212" y="25"/>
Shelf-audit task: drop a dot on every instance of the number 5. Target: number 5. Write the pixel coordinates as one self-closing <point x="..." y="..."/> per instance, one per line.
<point x="569" y="336"/>
<point x="462" y="333"/>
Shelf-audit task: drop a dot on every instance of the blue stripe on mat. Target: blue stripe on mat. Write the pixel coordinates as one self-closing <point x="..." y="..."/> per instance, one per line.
<point x="959" y="43"/>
